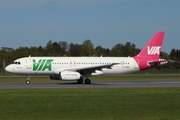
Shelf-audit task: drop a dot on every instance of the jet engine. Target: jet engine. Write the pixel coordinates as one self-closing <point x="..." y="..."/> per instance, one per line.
<point x="66" y="75"/>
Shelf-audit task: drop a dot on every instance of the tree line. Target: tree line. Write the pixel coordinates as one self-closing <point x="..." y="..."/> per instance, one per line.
<point x="62" y="48"/>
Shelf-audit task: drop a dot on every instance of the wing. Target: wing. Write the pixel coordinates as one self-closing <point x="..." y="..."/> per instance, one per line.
<point x="92" y="69"/>
<point x="88" y="70"/>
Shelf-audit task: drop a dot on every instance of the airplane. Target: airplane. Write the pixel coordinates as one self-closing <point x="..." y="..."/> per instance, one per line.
<point x="78" y="68"/>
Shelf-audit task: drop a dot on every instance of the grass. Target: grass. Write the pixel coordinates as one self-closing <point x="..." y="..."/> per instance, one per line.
<point x="91" y="104"/>
<point x="122" y="77"/>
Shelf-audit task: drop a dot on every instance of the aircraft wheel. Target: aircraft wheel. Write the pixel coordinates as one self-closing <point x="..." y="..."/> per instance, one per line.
<point x="80" y="81"/>
<point x="87" y="81"/>
<point x="27" y="81"/>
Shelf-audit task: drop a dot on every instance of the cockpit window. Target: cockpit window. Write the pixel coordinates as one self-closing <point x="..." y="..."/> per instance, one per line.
<point x="15" y="62"/>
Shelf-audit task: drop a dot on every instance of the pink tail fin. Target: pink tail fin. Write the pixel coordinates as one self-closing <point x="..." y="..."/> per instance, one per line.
<point x="149" y="55"/>
<point x="153" y="47"/>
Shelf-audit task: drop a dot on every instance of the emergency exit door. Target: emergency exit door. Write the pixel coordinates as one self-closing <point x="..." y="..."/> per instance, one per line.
<point x="28" y="63"/>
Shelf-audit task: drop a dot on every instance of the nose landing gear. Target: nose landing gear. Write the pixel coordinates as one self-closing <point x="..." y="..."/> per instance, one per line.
<point x="28" y="80"/>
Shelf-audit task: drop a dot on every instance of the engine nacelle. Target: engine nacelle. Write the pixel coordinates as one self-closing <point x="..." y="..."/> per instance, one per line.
<point x="66" y="75"/>
<point x="97" y="72"/>
<point x="70" y="75"/>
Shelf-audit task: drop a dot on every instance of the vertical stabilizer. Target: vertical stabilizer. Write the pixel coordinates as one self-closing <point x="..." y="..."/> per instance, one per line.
<point x="149" y="55"/>
<point x="153" y="47"/>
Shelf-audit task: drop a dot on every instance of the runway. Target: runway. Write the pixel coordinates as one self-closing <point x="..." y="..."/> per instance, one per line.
<point x="94" y="84"/>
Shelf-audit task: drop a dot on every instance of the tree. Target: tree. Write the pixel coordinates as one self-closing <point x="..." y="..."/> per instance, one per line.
<point x="175" y="57"/>
<point x="130" y="49"/>
<point x="49" y="48"/>
<point x="107" y="52"/>
<point x="75" y="49"/>
<point x="56" y="49"/>
<point x="41" y="51"/>
<point x="64" y="47"/>
<point x="6" y="54"/>
<point x="88" y="49"/>
<point x="117" y="50"/>
<point x="164" y="55"/>
<point x="101" y="51"/>
<point x="7" y="49"/>
<point x="173" y="54"/>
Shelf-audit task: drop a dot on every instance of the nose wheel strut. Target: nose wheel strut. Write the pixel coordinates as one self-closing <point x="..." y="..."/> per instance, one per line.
<point x="28" y="80"/>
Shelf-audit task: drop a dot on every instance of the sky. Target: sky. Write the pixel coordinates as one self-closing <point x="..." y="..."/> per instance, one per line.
<point x="29" y="23"/>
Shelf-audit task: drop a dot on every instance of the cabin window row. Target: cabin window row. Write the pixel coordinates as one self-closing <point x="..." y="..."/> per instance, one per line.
<point x="83" y="63"/>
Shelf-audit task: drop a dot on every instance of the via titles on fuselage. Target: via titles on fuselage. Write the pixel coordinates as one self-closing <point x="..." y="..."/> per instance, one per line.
<point x="42" y="64"/>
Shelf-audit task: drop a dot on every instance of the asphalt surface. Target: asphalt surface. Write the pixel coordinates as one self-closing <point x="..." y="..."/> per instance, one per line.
<point x="94" y="84"/>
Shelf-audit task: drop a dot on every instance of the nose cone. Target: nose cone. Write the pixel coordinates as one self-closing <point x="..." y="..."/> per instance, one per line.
<point x="9" y="69"/>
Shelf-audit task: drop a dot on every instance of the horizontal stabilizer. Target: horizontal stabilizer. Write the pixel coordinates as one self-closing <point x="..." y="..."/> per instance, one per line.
<point x="160" y="62"/>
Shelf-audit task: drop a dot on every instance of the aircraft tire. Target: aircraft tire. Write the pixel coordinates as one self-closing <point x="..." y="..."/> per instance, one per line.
<point x="27" y="82"/>
<point x="87" y="81"/>
<point x="80" y="81"/>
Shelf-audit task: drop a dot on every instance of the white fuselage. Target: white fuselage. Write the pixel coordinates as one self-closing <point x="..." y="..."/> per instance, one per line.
<point x="54" y="65"/>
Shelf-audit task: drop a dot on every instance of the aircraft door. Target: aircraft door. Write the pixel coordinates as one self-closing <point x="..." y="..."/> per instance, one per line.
<point x="72" y="63"/>
<point x="28" y="63"/>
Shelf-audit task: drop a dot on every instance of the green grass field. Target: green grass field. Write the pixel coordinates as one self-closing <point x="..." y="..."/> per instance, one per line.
<point x="91" y="104"/>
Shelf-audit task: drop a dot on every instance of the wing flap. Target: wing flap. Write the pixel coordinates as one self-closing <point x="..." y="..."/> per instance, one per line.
<point x="97" y="67"/>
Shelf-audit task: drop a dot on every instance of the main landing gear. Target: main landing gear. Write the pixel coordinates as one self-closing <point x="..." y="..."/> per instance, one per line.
<point x="28" y="80"/>
<point x="86" y="81"/>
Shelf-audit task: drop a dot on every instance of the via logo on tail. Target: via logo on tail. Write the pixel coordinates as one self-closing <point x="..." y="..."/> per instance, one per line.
<point x="153" y="50"/>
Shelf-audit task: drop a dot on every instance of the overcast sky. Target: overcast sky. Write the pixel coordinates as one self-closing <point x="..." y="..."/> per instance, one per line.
<point x="29" y="23"/>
